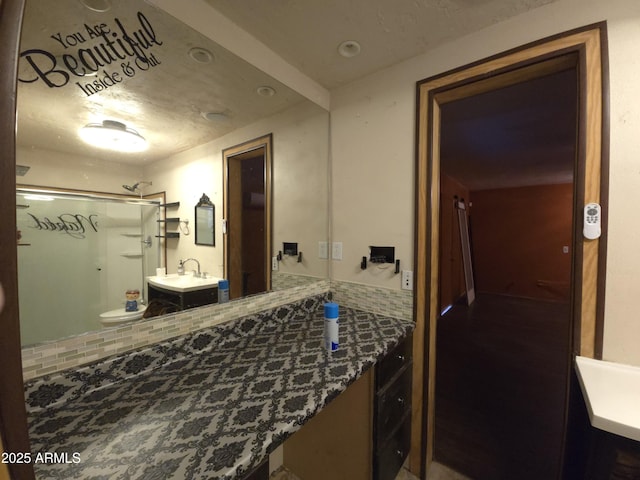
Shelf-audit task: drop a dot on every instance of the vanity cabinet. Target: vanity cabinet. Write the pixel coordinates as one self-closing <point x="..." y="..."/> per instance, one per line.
<point x="336" y="443"/>
<point x="392" y="411"/>
<point x="612" y="457"/>
<point x="260" y="473"/>
<point x="183" y="300"/>
<point x="365" y="432"/>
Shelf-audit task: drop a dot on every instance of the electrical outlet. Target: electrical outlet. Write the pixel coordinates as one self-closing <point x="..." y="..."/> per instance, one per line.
<point x="407" y="280"/>
<point x="323" y="250"/>
<point x="274" y="263"/>
<point x="336" y="250"/>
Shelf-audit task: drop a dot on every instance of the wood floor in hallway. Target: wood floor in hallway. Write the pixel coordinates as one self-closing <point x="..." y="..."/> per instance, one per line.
<point x="500" y="388"/>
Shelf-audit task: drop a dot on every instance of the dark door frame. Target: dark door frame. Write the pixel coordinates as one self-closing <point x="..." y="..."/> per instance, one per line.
<point x="591" y="181"/>
<point x="240" y="151"/>
<point x="13" y="417"/>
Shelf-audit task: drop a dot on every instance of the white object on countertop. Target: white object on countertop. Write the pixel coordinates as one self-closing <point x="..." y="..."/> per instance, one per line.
<point x="161" y="272"/>
<point x="612" y="394"/>
<point x="331" y="327"/>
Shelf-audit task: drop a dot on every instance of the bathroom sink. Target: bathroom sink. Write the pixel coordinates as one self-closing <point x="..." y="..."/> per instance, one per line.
<point x="183" y="283"/>
<point x="612" y="394"/>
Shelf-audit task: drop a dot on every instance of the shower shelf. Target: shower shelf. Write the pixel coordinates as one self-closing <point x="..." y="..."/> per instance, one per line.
<point x="170" y="205"/>
<point x="170" y="220"/>
<point x="169" y="235"/>
<point x="131" y="254"/>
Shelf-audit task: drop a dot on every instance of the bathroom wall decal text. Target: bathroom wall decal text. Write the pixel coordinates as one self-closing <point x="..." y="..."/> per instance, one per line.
<point x="106" y="53"/>
<point x="75" y="225"/>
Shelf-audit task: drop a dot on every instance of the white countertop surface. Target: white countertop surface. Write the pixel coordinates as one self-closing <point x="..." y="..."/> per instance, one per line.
<point x="612" y="394"/>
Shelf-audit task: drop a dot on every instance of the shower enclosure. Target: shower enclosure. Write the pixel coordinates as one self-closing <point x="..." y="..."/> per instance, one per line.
<point x="77" y="256"/>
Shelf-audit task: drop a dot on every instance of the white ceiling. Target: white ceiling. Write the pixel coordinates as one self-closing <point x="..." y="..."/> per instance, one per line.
<point x="306" y="33"/>
<point x="516" y="136"/>
<point x="165" y="103"/>
<point x="522" y="135"/>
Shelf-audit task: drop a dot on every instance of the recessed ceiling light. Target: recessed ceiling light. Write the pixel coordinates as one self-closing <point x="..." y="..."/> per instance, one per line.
<point x="349" y="48"/>
<point x="112" y="135"/>
<point x="97" y="5"/>
<point x="266" y="91"/>
<point x="201" y="55"/>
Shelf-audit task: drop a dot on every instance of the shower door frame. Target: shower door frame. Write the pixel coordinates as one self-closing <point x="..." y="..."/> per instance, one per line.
<point x="155" y="199"/>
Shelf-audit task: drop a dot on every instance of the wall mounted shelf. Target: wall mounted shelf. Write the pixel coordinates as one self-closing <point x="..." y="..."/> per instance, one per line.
<point x="169" y="220"/>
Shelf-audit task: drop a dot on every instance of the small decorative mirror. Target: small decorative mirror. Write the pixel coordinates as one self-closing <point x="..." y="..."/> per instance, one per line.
<point x="205" y="227"/>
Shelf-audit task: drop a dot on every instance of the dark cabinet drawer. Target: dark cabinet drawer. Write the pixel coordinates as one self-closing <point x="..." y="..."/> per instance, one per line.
<point x="392" y="411"/>
<point x="192" y="299"/>
<point x="197" y="298"/>
<point x="388" y="460"/>
<point x="393" y="403"/>
<point x="260" y="473"/>
<point x="394" y="361"/>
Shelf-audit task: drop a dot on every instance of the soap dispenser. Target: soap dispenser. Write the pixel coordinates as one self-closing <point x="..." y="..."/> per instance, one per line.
<point x="180" y="267"/>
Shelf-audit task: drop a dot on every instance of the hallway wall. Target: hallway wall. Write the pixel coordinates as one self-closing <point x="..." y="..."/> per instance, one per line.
<point x="373" y="152"/>
<point x="518" y="239"/>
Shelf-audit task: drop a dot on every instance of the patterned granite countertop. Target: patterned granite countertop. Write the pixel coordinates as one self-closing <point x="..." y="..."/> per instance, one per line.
<point x="210" y="405"/>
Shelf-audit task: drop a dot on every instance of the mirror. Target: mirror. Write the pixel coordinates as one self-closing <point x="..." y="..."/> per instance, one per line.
<point x="190" y="99"/>
<point x="205" y="227"/>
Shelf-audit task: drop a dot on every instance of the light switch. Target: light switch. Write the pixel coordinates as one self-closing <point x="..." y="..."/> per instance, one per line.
<point x="323" y="250"/>
<point x="336" y="250"/>
<point x="565" y="249"/>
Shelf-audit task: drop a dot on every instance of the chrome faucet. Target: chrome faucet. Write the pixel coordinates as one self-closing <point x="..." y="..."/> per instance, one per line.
<point x="181" y="267"/>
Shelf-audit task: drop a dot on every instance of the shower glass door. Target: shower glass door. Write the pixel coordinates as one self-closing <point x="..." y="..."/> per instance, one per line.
<point x="77" y="256"/>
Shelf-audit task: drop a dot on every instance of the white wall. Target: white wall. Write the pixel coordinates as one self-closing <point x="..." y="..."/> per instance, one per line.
<point x="300" y="176"/>
<point x="57" y="169"/>
<point x="373" y="138"/>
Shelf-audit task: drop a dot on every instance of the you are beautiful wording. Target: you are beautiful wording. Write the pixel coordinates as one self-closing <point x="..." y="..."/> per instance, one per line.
<point x="111" y="53"/>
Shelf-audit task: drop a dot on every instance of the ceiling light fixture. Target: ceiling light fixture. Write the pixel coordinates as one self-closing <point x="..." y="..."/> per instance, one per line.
<point x="266" y="91"/>
<point x="215" y="116"/>
<point x="349" y="48"/>
<point x="113" y="135"/>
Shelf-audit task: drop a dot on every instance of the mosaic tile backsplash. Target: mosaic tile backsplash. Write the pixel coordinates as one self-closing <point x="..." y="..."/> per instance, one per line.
<point x="383" y="301"/>
<point x="82" y="349"/>
<point x="72" y="352"/>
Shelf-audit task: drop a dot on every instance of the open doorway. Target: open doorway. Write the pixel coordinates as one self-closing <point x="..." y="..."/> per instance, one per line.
<point x="586" y="294"/>
<point x="503" y="358"/>
<point x="247" y="200"/>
